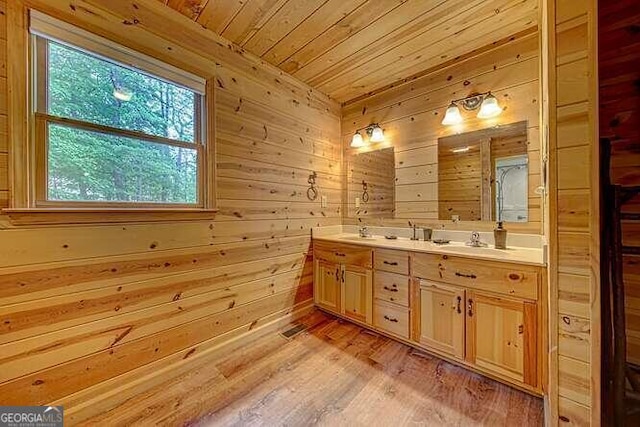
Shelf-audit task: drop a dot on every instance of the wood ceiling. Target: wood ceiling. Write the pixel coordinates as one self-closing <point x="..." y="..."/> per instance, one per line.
<point x="347" y="48"/>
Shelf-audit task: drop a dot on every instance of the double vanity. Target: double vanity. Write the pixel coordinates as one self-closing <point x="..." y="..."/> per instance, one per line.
<point x="479" y="307"/>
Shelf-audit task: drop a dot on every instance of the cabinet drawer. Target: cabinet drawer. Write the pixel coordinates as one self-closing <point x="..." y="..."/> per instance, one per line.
<point x="508" y="279"/>
<point x="391" y="318"/>
<point x="391" y="287"/>
<point x="392" y="261"/>
<point x="343" y="254"/>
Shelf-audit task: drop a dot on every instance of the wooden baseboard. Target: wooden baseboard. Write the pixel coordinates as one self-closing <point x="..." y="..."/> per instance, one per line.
<point x="109" y="394"/>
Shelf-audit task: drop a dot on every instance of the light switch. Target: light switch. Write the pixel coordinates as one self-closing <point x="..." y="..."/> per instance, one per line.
<point x="323" y="201"/>
<point x="357" y="202"/>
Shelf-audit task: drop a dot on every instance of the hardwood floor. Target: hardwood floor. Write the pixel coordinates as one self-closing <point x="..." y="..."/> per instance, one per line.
<point x="332" y="373"/>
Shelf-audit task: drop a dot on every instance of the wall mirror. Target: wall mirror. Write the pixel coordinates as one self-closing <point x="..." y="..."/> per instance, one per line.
<point x="484" y="175"/>
<point x="371" y="184"/>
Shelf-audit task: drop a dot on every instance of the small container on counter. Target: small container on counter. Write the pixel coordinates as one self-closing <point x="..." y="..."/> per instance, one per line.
<point x="500" y="236"/>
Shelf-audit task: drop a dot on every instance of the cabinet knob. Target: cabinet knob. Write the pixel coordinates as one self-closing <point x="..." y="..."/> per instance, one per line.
<point x="390" y="319"/>
<point x="470" y="307"/>
<point x="386" y="288"/>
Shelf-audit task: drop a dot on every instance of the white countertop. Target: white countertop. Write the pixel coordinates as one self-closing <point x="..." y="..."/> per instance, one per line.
<point x="519" y="255"/>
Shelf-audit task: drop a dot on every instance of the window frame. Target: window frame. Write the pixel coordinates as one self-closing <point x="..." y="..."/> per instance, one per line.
<point x="41" y="120"/>
<point x="29" y="203"/>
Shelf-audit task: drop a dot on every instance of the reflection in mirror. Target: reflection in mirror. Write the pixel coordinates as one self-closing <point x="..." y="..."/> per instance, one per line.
<point x="483" y="175"/>
<point x="371" y="182"/>
<point x="511" y="179"/>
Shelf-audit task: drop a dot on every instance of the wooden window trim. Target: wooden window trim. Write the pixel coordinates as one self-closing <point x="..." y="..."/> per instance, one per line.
<point x="27" y="207"/>
<point x="62" y="216"/>
<point x="94" y="127"/>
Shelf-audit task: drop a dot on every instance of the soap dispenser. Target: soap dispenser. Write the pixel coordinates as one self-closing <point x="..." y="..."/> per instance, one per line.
<point x="500" y="236"/>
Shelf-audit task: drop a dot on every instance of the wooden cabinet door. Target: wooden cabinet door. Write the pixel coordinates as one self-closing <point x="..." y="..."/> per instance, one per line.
<point x="327" y="285"/>
<point x="501" y="336"/>
<point x="358" y="293"/>
<point x="442" y="318"/>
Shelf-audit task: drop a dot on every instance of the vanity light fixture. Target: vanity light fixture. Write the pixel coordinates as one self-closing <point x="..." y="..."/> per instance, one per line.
<point x="373" y="131"/>
<point x="486" y="102"/>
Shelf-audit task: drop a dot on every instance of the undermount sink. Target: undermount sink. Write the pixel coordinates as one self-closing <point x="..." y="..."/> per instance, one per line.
<point x="358" y="238"/>
<point x="475" y="250"/>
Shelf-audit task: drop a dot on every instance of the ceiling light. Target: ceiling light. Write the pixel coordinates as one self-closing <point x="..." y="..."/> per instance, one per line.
<point x="452" y="116"/>
<point x="357" y="141"/>
<point x="377" y="135"/>
<point x="489" y="108"/>
<point x="122" y="94"/>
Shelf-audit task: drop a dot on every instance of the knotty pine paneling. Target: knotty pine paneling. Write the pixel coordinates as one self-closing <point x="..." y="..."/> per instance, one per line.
<point x="574" y="283"/>
<point x="196" y="366"/>
<point x="45" y="350"/>
<point x="410" y="115"/>
<point x="347" y="48"/>
<point x="4" y="172"/>
<point x="117" y="358"/>
<point x="3" y="132"/>
<point x="620" y="122"/>
<point x="377" y="170"/>
<point x="27" y="283"/>
<point x="82" y="305"/>
<point x="106" y="298"/>
<point x="572" y="413"/>
<point x="467" y="27"/>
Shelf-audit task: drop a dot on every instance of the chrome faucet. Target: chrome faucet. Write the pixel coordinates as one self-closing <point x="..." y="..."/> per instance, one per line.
<point x="475" y="240"/>
<point x="363" y="231"/>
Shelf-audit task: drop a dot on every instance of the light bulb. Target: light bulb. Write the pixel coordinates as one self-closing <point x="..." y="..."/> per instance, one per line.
<point x="489" y="108"/>
<point x="122" y="94"/>
<point x="452" y="116"/>
<point x="357" y="141"/>
<point x="377" y="135"/>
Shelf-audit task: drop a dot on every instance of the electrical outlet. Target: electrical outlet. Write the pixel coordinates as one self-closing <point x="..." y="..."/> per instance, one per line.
<point x="455" y="218"/>
<point x="323" y="201"/>
<point x="357" y="202"/>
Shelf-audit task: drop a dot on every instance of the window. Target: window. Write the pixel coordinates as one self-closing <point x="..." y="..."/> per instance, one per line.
<point x="113" y="128"/>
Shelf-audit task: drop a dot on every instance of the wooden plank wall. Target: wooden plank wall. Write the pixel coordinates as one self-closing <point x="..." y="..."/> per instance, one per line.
<point x="410" y="115"/>
<point x="92" y="315"/>
<point x="4" y="156"/>
<point x="377" y="169"/>
<point x="460" y="182"/>
<point x="574" y="264"/>
<point x="619" y="80"/>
